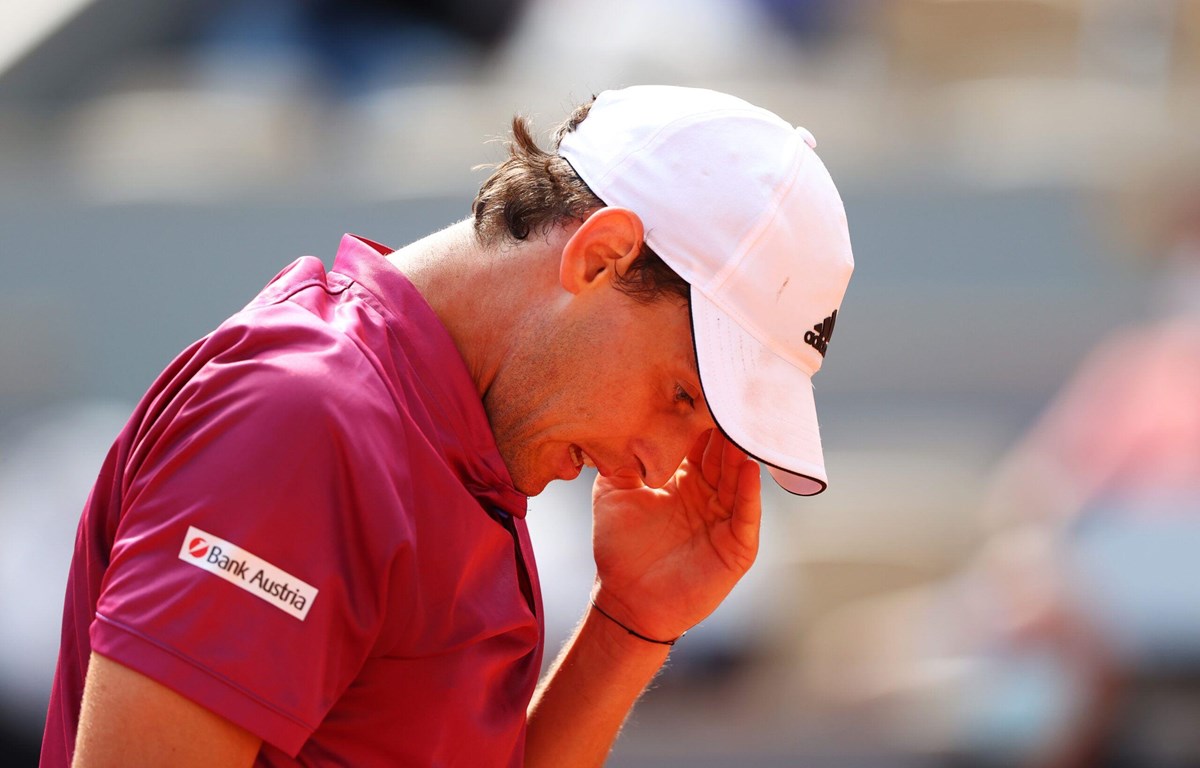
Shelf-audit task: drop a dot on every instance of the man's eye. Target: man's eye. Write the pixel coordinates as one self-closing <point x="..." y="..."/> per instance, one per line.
<point x="682" y="396"/>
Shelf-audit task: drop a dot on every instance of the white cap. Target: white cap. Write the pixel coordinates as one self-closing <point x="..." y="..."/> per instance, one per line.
<point x="735" y="200"/>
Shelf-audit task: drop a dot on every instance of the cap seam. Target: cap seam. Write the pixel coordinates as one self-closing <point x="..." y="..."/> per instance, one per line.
<point x="763" y="225"/>
<point x="674" y="126"/>
<point x="765" y="219"/>
<point x="795" y="363"/>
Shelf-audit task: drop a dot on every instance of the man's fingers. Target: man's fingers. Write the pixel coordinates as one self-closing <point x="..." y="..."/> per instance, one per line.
<point x="747" y="507"/>
<point x="727" y="483"/>
<point x="711" y="466"/>
<point x="695" y="454"/>
<point x="732" y="456"/>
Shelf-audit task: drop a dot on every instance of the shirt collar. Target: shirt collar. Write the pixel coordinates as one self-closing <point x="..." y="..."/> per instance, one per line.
<point x="435" y="360"/>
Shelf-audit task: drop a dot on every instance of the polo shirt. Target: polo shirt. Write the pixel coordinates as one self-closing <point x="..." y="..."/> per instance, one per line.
<point x="306" y="527"/>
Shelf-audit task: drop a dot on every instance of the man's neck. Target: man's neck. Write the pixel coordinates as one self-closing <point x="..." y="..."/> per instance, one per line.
<point x="482" y="295"/>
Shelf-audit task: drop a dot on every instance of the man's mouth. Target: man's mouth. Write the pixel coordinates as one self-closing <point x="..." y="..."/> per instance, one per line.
<point x="580" y="458"/>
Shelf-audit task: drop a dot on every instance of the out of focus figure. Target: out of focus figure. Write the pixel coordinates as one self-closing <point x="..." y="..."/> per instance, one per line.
<point x="1071" y="638"/>
<point x="1107" y="487"/>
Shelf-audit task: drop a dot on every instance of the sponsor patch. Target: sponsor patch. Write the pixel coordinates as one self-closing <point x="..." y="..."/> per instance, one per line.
<point x="248" y="571"/>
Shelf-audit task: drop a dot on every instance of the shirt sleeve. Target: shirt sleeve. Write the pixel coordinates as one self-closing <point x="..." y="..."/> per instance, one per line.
<point x="250" y="564"/>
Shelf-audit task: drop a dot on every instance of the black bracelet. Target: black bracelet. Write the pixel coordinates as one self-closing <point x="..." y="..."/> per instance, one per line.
<point x="638" y="635"/>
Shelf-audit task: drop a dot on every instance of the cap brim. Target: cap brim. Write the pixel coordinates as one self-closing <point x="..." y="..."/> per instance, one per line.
<point x="761" y="402"/>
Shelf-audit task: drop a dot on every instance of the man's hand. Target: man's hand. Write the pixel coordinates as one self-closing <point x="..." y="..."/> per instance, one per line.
<point x="666" y="557"/>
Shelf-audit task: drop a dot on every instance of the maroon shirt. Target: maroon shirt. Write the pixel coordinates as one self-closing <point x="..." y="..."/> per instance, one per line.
<point x="306" y="528"/>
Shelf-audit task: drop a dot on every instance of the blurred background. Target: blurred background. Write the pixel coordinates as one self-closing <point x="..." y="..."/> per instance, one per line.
<point x="1003" y="571"/>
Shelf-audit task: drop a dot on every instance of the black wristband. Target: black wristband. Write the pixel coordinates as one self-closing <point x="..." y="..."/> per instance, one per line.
<point x="638" y="635"/>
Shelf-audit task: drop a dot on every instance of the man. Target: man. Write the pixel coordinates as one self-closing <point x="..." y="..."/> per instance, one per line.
<point x="308" y="545"/>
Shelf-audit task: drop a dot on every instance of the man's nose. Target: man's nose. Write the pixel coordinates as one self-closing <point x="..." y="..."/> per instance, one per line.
<point x="662" y="457"/>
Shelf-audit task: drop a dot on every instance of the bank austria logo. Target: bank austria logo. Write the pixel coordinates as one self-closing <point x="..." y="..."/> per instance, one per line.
<point x="198" y="547"/>
<point x="246" y="570"/>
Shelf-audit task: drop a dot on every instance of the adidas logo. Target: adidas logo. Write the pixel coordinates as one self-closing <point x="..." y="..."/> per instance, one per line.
<point x="819" y="336"/>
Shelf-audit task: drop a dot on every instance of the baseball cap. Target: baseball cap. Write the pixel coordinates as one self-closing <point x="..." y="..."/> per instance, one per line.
<point x="736" y="201"/>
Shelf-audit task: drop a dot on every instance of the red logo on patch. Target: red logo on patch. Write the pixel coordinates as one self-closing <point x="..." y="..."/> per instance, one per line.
<point x="198" y="547"/>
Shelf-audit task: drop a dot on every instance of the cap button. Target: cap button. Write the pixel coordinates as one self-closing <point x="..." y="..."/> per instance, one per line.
<point x="805" y="134"/>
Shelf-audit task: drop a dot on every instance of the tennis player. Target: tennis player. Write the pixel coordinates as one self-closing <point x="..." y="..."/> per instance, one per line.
<point x="308" y="544"/>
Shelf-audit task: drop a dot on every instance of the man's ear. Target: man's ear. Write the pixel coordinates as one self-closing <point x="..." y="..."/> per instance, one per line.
<point x="606" y="243"/>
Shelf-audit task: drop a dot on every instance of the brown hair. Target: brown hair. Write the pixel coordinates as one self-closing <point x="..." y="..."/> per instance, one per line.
<point x="533" y="190"/>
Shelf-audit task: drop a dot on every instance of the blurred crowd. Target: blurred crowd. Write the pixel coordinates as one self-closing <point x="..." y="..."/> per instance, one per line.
<point x="1070" y="635"/>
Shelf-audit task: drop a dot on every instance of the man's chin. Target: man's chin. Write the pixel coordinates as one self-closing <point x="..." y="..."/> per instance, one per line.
<point x="533" y="489"/>
<point x="529" y="477"/>
<point x="529" y="483"/>
<point x="532" y="471"/>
